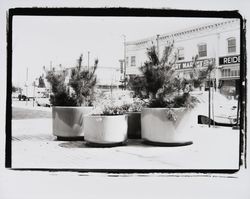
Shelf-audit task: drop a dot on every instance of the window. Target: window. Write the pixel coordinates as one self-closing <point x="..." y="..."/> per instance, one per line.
<point x="231" y="45"/>
<point x="180" y="53"/>
<point x="235" y="73"/>
<point x="202" y="50"/>
<point x="228" y="73"/>
<point x="132" y="60"/>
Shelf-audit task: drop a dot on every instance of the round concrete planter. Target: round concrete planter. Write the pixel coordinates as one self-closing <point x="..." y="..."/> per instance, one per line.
<point x="68" y="122"/>
<point x="157" y="129"/>
<point x="105" y="130"/>
<point x="134" y="125"/>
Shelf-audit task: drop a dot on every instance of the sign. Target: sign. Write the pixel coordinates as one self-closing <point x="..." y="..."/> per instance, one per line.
<point x="229" y="60"/>
<point x="199" y="63"/>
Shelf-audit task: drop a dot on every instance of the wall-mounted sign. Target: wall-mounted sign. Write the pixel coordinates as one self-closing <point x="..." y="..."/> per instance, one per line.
<point x="229" y="60"/>
<point x="199" y="63"/>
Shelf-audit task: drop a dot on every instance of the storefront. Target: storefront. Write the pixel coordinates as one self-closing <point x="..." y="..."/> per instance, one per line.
<point x="229" y="81"/>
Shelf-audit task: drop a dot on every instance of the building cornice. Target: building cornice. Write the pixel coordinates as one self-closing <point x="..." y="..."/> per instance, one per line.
<point x="185" y="33"/>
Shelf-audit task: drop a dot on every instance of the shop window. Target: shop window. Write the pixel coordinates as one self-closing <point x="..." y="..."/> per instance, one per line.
<point x="202" y="50"/>
<point x="235" y="73"/>
<point x="238" y="72"/>
<point x="180" y="54"/>
<point x="226" y="73"/>
<point x="132" y="60"/>
<point x="231" y="45"/>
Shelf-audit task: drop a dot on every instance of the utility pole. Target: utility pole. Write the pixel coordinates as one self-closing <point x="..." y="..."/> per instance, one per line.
<point x="88" y="59"/>
<point x="211" y="65"/>
<point x="26" y="84"/>
<point x="34" y="85"/>
<point x="50" y="65"/>
<point x="157" y="43"/>
<point x="209" y="100"/>
<point x="125" y="64"/>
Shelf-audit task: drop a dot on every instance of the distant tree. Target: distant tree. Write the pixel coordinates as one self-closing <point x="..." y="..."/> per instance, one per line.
<point x="41" y="83"/>
<point x="15" y="89"/>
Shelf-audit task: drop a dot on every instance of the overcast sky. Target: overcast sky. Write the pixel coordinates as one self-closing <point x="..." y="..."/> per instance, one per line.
<point x="39" y="40"/>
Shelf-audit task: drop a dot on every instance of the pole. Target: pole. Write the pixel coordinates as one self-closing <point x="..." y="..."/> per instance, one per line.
<point x="88" y="60"/>
<point x="34" y="84"/>
<point x="125" y="64"/>
<point x="157" y="43"/>
<point x="209" y="102"/>
<point x="27" y="72"/>
<point x="50" y="65"/>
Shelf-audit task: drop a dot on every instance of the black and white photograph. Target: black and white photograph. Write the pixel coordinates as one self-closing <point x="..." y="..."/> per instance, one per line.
<point x="124" y="99"/>
<point x="126" y="93"/>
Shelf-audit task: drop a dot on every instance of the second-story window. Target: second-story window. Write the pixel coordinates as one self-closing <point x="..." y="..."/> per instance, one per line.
<point x="180" y="54"/>
<point x="231" y="45"/>
<point x="132" y="60"/>
<point x="202" y="50"/>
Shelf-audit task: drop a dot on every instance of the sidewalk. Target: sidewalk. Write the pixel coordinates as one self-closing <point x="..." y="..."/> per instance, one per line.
<point x="34" y="146"/>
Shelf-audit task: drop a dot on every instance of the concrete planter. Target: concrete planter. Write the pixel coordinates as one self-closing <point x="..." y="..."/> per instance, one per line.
<point x="157" y="129"/>
<point x="105" y="130"/>
<point x="68" y="122"/>
<point x="134" y="125"/>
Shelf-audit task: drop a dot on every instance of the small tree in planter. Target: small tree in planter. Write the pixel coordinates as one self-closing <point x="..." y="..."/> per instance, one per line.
<point x="83" y="82"/>
<point x="107" y="127"/>
<point x="61" y="95"/>
<point x="168" y="99"/>
<point x="67" y="109"/>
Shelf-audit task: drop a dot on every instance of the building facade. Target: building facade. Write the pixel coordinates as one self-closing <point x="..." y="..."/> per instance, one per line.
<point x="218" y="41"/>
<point x="107" y="77"/>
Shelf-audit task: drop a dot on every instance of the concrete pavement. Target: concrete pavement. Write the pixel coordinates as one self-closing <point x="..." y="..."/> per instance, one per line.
<point x="34" y="146"/>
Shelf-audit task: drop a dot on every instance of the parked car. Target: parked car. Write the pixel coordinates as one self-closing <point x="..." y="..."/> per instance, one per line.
<point x="43" y="102"/>
<point x="24" y="97"/>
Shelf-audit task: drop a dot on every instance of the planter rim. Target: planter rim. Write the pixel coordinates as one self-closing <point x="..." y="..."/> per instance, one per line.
<point x="103" y="116"/>
<point x="72" y="106"/>
<point x="133" y="112"/>
<point x="165" y="108"/>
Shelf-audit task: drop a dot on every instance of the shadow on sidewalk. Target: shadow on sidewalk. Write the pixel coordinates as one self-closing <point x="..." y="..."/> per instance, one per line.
<point x="73" y="144"/>
<point x="83" y="144"/>
<point x="41" y="137"/>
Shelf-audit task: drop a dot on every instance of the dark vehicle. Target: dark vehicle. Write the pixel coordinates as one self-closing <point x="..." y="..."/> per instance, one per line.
<point x="23" y="97"/>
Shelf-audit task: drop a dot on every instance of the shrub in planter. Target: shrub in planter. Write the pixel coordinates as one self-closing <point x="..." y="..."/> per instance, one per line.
<point x="168" y="97"/>
<point x="71" y="101"/>
<point x="106" y="128"/>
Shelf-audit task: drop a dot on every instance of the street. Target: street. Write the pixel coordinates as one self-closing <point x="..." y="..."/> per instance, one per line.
<point x="26" y="110"/>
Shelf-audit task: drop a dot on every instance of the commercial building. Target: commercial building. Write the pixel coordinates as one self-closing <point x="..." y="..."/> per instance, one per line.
<point x="218" y="41"/>
<point x="107" y="77"/>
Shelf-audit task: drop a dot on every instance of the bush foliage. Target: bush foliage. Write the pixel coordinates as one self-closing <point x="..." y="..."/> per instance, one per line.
<point x="80" y="89"/>
<point x="161" y="84"/>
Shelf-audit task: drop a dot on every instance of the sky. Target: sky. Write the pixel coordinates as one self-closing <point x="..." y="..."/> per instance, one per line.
<point x="43" y="40"/>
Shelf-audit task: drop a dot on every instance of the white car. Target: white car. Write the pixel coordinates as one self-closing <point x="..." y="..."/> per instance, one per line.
<point x="43" y="102"/>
